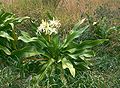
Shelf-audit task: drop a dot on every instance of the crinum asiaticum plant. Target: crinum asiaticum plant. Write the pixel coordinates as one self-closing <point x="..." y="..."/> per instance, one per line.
<point x="58" y="53"/>
<point x="11" y="44"/>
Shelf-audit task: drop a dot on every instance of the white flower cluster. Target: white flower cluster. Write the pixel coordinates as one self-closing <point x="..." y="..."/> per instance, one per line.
<point x="49" y="27"/>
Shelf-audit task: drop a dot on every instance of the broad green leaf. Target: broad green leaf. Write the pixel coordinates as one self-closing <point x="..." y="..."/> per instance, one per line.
<point x="73" y="35"/>
<point x="25" y="34"/>
<point x="27" y="40"/>
<point x="5" y="16"/>
<point x="8" y="20"/>
<point x="73" y="56"/>
<point x="40" y="43"/>
<point x="46" y="67"/>
<point x="44" y="40"/>
<point x="21" y="19"/>
<point x="12" y="25"/>
<point x="5" y="35"/>
<point x="89" y="54"/>
<point x="6" y="50"/>
<point x="26" y="52"/>
<point x="26" y="37"/>
<point x="90" y="43"/>
<point x="72" y="50"/>
<point x="55" y="41"/>
<point x="81" y="52"/>
<point x="67" y="64"/>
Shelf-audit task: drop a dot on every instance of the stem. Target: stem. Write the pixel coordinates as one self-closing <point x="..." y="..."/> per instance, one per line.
<point x="49" y="38"/>
<point x="15" y="38"/>
<point x="14" y="35"/>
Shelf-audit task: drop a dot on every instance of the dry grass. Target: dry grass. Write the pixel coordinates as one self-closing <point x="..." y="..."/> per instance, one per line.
<point x="68" y="11"/>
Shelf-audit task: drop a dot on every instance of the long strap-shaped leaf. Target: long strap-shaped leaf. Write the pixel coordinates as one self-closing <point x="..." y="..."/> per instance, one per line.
<point x="25" y="52"/>
<point x="6" y="50"/>
<point x="5" y="35"/>
<point x="26" y="37"/>
<point x="67" y="64"/>
<point x="74" y="34"/>
<point x="85" y="44"/>
<point x="90" y="43"/>
<point x="42" y="75"/>
<point x="76" y="26"/>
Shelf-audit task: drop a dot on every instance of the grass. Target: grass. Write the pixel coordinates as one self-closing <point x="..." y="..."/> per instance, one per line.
<point x="63" y="9"/>
<point x="103" y="74"/>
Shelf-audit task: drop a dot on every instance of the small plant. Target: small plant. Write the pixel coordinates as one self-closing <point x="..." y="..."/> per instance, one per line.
<point x="10" y="41"/>
<point x="65" y="55"/>
<point x="102" y="29"/>
<point x="53" y="52"/>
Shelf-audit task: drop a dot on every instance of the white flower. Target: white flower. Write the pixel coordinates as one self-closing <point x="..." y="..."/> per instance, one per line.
<point x="49" y="27"/>
<point x="41" y="28"/>
<point x="54" y="23"/>
<point x="52" y="30"/>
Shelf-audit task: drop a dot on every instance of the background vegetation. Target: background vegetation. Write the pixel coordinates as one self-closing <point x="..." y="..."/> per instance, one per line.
<point x="105" y="69"/>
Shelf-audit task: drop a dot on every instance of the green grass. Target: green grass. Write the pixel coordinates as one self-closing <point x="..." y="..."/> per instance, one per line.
<point x="103" y="74"/>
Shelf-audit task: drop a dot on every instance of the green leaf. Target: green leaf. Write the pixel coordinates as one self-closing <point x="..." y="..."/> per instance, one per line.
<point x="12" y="25"/>
<point x="90" y="43"/>
<point x="40" y="43"/>
<point x="8" y="20"/>
<point x="5" y="35"/>
<point x="73" y="56"/>
<point x="78" y="24"/>
<point x="5" y="16"/>
<point x="74" y="34"/>
<point x="26" y="37"/>
<point x="55" y="41"/>
<point x="6" y="50"/>
<point x="90" y="53"/>
<point x="21" y="19"/>
<point x="26" y="52"/>
<point x="46" y="67"/>
<point x="44" y="40"/>
<point x="27" y="40"/>
<point x="67" y="64"/>
<point x="81" y="53"/>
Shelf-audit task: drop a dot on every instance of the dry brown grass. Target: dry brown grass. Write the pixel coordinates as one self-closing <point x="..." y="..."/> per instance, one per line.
<point x="69" y="11"/>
